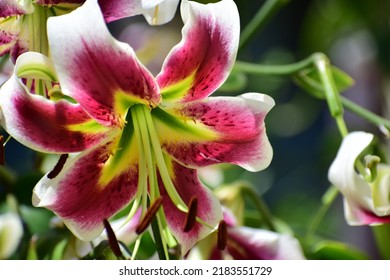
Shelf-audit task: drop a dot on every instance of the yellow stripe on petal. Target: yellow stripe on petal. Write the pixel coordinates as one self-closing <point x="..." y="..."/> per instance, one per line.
<point x="179" y="90"/>
<point x="124" y="100"/>
<point x="175" y="128"/>
<point x="124" y="155"/>
<point x="90" y="126"/>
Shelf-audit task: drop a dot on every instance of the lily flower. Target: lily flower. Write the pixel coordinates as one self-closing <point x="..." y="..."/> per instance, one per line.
<point x="245" y="243"/>
<point x="156" y="12"/>
<point x="11" y="232"/>
<point x="366" y="202"/>
<point x="140" y="138"/>
<point x="23" y="22"/>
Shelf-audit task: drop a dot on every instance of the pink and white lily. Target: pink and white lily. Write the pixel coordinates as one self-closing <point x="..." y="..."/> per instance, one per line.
<point x="245" y="243"/>
<point x="23" y="22"/>
<point x="156" y="12"/>
<point x="365" y="202"/>
<point x="140" y="138"/>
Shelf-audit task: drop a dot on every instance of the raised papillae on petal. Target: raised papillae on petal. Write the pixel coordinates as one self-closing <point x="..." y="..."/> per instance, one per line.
<point x="364" y="202"/>
<point x="189" y="188"/>
<point x="80" y="196"/>
<point x="100" y="73"/>
<point x="201" y="62"/>
<point x="14" y="8"/>
<point x="42" y="124"/>
<point x="218" y="130"/>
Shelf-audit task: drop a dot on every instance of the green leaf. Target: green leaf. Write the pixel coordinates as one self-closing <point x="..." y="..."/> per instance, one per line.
<point x="310" y="81"/>
<point x="333" y="250"/>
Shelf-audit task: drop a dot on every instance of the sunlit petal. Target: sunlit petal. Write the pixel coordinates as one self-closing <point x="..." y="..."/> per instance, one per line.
<point x="81" y="193"/>
<point x="209" y="210"/>
<point x="102" y="74"/>
<point x="206" y="53"/>
<point x="218" y="130"/>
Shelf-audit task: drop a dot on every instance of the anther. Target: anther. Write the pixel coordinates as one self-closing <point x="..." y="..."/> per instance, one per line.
<point x="57" y="169"/>
<point x="149" y="215"/>
<point x="2" y="156"/>
<point x="222" y="235"/>
<point x="191" y="214"/>
<point x="112" y="240"/>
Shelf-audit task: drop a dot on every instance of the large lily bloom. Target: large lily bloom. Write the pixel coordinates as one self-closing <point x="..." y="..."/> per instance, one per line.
<point x="141" y="138"/>
<point x="245" y="243"/>
<point x="23" y="23"/>
<point x="365" y="202"/>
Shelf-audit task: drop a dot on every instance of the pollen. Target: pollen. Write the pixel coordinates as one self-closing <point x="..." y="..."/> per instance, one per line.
<point x="57" y="169"/>
<point x="149" y="216"/>
<point x="112" y="240"/>
<point x="191" y="215"/>
<point x="222" y="236"/>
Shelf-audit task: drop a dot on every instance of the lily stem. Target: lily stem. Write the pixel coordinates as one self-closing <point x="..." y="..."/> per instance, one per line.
<point x="260" y="205"/>
<point x="267" y="10"/>
<point x="327" y="200"/>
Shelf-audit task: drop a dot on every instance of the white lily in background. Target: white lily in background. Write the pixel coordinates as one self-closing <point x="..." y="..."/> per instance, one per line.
<point x="11" y="232"/>
<point x="365" y="203"/>
<point x="245" y="243"/>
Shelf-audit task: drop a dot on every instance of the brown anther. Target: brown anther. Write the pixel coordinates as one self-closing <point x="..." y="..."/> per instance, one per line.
<point x="191" y="215"/>
<point x="57" y="169"/>
<point x="2" y="156"/>
<point x="149" y="215"/>
<point x="222" y="235"/>
<point x="112" y="240"/>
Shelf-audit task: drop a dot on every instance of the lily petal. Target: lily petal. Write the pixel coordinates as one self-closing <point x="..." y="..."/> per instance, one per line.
<point x="11" y="233"/>
<point x="209" y="210"/>
<point x="82" y="195"/>
<point x="365" y="203"/>
<point x="159" y="12"/>
<point x="29" y="118"/>
<point x="356" y="215"/>
<point x="201" y="62"/>
<point x="13" y="8"/>
<point x="100" y="73"/>
<point x="118" y="9"/>
<point x="218" y="130"/>
<point x="9" y="31"/>
<point x="246" y="243"/>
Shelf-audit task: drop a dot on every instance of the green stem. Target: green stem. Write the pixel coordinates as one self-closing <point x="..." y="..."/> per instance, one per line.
<point x="364" y="113"/>
<point x="279" y="70"/>
<point x="260" y="205"/>
<point x="269" y="8"/>
<point x="382" y="239"/>
<point x="327" y="200"/>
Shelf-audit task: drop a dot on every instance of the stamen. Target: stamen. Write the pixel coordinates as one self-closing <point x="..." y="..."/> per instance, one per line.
<point x="222" y="236"/>
<point x="2" y="156"/>
<point x="57" y="169"/>
<point x="149" y="215"/>
<point x="112" y="240"/>
<point x="191" y="214"/>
